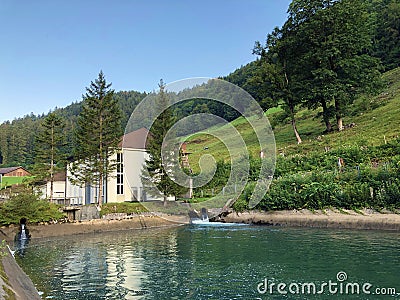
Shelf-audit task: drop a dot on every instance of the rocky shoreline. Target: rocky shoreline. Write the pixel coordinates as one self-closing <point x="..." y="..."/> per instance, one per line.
<point x="93" y="226"/>
<point x="329" y="218"/>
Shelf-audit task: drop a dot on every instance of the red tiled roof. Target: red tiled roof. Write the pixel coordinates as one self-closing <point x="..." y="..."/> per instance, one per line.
<point x="135" y="139"/>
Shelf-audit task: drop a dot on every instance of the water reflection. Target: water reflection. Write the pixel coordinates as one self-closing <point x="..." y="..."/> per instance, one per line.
<point x="125" y="273"/>
<point x="205" y="263"/>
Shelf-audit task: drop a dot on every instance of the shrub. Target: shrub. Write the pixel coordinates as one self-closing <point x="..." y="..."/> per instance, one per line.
<point x="240" y="205"/>
<point x="27" y="205"/>
<point x="373" y="188"/>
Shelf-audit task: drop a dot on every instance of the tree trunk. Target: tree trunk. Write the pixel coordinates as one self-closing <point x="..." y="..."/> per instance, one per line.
<point x="51" y="187"/>
<point x="296" y="133"/>
<point x="102" y="162"/>
<point x="339" y="119"/>
<point x="100" y="199"/>
<point x="52" y="165"/>
<point x="165" y="200"/>
<point x="325" y="115"/>
<point x="291" y="108"/>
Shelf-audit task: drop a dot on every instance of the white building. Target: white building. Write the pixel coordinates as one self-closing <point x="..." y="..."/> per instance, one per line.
<point x="58" y="188"/>
<point x="125" y="184"/>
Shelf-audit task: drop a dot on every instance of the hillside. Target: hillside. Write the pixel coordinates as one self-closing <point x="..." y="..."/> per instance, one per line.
<point x="308" y="175"/>
<point x="375" y="119"/>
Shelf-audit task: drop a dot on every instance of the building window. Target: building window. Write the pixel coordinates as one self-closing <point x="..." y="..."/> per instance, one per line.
<point x="120" y="174"/>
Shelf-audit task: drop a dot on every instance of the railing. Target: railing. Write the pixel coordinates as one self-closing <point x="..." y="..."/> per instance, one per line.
<point x="73" y="201"/>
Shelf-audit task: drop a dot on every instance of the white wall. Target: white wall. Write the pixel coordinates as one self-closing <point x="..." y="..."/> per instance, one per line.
<point x="133" y="160"/>
<point x="58" y="190"/>
<point x="75" y="193"/>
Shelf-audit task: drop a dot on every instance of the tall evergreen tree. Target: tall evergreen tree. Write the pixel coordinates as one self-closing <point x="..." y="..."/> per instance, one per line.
<point x="97" y="136"/>
<point x="154" y="170"/>
<point x="49" y="141"/>
<point x="4" y="134"/>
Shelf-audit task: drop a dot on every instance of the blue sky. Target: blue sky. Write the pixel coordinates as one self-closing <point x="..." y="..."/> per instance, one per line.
<point x="51" y="50"/>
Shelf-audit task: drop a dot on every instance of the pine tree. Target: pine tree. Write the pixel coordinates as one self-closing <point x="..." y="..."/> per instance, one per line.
<point x="49" y="141"/>
<point x="97" y="136"/>
<point x="154" y="170"/>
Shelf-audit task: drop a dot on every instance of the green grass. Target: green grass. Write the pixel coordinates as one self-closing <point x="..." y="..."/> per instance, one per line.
<point x="198" y="199"/>
<point x="11" y="180"/>
<point x="273" y="110"/>
<point x="376" y="118"/>
<point x="123" y="207"/>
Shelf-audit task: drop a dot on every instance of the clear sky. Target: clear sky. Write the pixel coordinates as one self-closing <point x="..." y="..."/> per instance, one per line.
<point x="51" y="50"/>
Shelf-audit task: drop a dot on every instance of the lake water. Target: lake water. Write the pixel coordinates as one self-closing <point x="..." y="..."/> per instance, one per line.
<point x="216" y="262"/>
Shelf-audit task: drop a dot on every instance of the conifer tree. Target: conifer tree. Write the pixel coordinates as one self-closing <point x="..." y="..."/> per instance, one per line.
<point x="154" y="170"/>
<point x="49" y="141"/>
<point x="97" y="136"/>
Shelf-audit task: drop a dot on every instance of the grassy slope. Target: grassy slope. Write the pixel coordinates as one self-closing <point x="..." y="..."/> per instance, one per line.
<point x="9" y="181"/>
<point x="372" y="126"/>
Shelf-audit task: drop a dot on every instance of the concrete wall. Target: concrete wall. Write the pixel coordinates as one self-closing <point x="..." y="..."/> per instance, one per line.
<point x="87" y="213"/>
<point x="18" y="282"/>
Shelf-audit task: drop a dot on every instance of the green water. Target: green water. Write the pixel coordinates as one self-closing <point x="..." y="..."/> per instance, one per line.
<point x="212" y="262"/>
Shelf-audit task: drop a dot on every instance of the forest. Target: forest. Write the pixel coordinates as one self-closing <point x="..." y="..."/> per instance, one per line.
<point x="327" y="55"/>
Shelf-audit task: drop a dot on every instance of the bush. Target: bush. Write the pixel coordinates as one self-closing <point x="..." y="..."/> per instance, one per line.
<point x="389" y="195"/>
<point x="240" y="205"/>
<point x="369" y="179"/>
<point x="27" y="205"/>
<point x="372" y="188"/>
